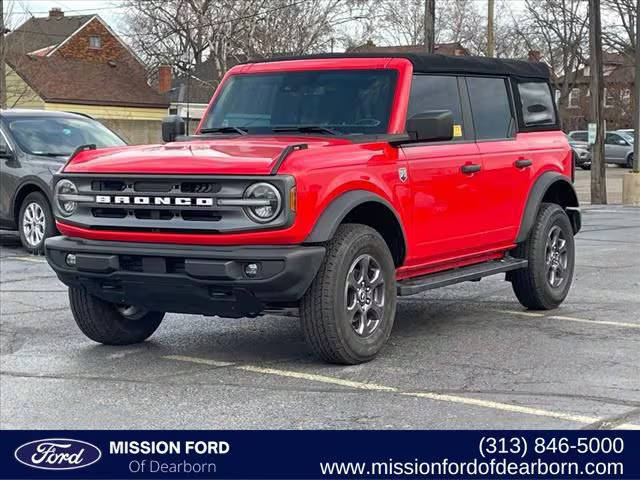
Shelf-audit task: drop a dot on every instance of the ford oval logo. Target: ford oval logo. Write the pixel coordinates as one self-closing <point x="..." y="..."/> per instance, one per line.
<point x="57" y="454"/>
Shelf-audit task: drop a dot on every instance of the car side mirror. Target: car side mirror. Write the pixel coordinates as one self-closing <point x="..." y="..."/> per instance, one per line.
<point x="172" y="127"/>
<point x="5" y="152"/>
<point x="431" y="126"/>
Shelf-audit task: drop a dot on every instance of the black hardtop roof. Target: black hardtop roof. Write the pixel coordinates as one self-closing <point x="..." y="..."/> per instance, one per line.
<point x="434" y="63"/>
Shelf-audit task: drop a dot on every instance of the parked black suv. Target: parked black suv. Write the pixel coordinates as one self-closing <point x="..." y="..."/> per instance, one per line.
<point x="34" y="144"/>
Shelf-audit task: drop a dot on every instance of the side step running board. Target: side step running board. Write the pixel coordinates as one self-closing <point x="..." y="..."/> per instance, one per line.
<point x="457" y="275"/>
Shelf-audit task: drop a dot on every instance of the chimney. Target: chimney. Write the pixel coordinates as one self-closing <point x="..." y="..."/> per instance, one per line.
<point x="56" y="12"/>
<point x="164" y="78"/>
<point x="534" y="56"/>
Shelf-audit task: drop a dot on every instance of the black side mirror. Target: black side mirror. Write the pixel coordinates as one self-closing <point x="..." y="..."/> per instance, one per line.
<point x="5" y="152"/>
<point x="431" y="126"/>
<point x="172" y="126"/>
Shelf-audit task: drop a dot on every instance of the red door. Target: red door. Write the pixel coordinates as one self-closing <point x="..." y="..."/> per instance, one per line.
<point x="447" y="202"/>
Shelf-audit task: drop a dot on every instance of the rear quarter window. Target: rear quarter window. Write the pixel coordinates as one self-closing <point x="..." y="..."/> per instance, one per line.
<point x="537" y="104"/>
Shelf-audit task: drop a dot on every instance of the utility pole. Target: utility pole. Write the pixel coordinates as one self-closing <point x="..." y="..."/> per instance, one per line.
<point x="631" y="180"/>
<point x="3" y="87"/>
<point x="429" y="25"/>
<point x="636" y="87"/>
<point x="490" y="35"/>
<point x="598" y="166"/>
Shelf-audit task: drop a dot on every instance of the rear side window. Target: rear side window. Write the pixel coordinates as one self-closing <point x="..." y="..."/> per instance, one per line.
<point x="537" y="104"/>
<point x="580" y="136"/>
<point x="492" y="117"/>
<point x="434" y="92"/>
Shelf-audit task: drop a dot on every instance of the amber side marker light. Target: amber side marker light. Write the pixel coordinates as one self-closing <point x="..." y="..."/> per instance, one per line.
<point x="293" y="199"/>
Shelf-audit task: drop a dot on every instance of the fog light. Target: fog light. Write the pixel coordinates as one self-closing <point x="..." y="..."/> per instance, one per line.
<point x="71" y="259"/>
<point x="251" y="269"/>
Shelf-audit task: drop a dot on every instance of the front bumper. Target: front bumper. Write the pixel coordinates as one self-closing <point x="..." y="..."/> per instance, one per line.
<point x="186" y="279"/>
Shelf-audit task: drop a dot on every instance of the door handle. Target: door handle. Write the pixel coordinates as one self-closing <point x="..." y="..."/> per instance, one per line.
<point x="523" y="163"/>
<point x="470" y="168"/>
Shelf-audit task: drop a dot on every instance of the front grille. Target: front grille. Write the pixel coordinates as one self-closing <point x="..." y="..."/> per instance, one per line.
<point x="171" y="203"/>
<point x="199" y="187"/>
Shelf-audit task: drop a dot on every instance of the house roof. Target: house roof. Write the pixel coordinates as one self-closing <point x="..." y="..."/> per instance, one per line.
<point x="197" y="89"/>
<point x="66" y="80"/>
<point x="37" y="33"/>
<point x="617" y="69"/>
<point x="453" y="48"/>
<point x="55" y="78"/>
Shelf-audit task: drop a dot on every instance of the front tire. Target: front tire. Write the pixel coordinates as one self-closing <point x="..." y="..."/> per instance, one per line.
<point x="110" y="324"/>
<point x="348" y="311"/>
<point x="630" y="160"/>
<point x="550" y="250"/>
<point x="35" y="222"/>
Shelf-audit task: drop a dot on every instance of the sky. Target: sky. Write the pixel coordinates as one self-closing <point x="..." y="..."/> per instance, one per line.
<point x="109" y="10"/>
<point x="21" y="10"/>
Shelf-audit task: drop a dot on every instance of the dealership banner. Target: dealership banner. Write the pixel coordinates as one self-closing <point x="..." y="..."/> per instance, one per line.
<point x="319" y="454"/>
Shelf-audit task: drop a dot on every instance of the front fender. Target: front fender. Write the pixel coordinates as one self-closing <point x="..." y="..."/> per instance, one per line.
<point x="330" y="219"/>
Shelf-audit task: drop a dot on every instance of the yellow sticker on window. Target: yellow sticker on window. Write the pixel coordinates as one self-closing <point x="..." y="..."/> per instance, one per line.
<point x="457" y="130"/>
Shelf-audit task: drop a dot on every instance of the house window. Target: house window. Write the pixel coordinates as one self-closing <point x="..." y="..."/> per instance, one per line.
<point x="574" y="98"/>
<point x="609" y="100"/>
<point x="95" y="41"/>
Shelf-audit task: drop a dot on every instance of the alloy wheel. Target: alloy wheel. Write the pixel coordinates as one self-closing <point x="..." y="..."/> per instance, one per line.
<point x="34" y="224"/>
<point x="556" y="257"/>
<point x="365" y="295"/>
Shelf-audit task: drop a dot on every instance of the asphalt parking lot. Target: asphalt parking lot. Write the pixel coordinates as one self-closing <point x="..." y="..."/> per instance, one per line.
<point x="466" y="356"/>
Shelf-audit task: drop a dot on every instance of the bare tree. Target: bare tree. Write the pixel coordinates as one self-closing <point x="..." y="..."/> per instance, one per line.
<point x="185" y="33"/>
<point x="559" y="29"/>
<point x="619" y="32"/>
<point x="13" y="91"/>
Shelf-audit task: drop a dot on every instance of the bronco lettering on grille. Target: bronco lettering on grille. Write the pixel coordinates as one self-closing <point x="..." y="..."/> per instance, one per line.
<point x="141" y="200"/>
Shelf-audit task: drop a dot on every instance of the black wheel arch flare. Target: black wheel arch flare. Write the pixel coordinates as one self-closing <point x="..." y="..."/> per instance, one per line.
<point x="343" y="206"/>
<point x="552" y="187"/>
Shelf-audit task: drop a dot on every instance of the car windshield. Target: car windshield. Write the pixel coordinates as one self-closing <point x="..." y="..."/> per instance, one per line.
<point x="628" y="137"/>
<point x="60" y="135"/>
<point x="320" y="102"/>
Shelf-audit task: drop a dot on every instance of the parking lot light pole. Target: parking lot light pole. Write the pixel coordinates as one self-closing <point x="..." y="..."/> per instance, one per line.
<point x="631" y="180"/>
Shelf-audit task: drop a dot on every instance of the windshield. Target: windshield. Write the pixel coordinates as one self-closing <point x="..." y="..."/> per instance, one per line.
<point x="628" y="137"/>
<point x="330" y="102"/>
<point x="59" y="135"/>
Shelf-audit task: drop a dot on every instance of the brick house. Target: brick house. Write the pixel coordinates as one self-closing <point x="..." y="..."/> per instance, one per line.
<point x="618" y="80"/>
<point x="77" y="63"/>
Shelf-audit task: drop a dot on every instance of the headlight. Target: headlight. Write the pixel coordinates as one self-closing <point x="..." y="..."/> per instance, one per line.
<point x="268" y="202"/>
<point x="65" y="188"/>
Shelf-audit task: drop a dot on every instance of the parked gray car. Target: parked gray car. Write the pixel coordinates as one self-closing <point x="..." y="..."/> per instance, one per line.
<point x="618" y="145"/>
<point x="34" y="144"/>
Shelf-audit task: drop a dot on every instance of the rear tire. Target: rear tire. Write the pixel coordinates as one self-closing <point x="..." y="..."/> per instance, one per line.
<point x="630" y="160"/>
<point x="550" y="250"/>
<point x="348" y="311"/>
<point x="105" y="322"/>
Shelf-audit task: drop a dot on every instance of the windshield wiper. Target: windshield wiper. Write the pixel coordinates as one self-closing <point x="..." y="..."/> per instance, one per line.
<point x="237" y="130"/>
<point x="307" y="129"/>
<point x="51" y="154"/>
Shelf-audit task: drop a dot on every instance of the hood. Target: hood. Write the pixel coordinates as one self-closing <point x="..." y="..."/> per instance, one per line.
<point x="229" y="156"/>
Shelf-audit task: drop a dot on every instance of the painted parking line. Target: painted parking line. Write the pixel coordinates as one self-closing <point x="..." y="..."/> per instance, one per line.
<point x="507" y="407"/>
<point x="204" y="361"/>
<point x="26" y="259"/>
<point x="572" y="319"/>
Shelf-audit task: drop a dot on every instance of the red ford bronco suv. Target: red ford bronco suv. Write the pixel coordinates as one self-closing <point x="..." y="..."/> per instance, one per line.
<point x="330" y="185"/>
